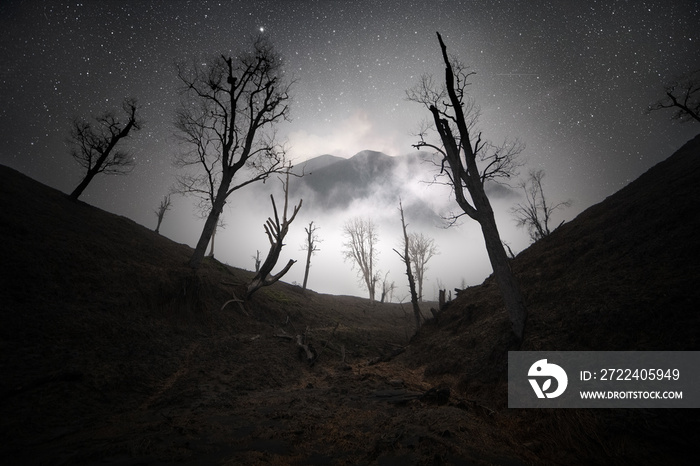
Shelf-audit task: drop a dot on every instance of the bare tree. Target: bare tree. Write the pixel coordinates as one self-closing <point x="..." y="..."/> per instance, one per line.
<point x="536" y="214"/>
<point x="256" y="258"/>
<point x="94" y="144"/>
<point x="360" y="248"/>
<point x="406" y="258"/>
<point x="683" y="95"/>
<point x="164" y="206"/>
<point x="276" y="231"/>
<point x="387" y="289"/>
<point x="229" y="108"/>
<point x="420" y="249"/>
<point x="452" y="110"/>
<point x="310" y="246"/>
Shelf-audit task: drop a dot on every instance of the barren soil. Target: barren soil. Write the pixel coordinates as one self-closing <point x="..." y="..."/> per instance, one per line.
<point x="114" y="352"/>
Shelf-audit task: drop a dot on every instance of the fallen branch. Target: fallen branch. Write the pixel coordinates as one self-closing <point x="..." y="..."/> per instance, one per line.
<point x="235" y="300"/>
<point x="306" y="349"/>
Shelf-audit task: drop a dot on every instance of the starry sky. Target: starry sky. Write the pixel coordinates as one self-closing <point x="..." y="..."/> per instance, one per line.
<point x="570" y="79"/>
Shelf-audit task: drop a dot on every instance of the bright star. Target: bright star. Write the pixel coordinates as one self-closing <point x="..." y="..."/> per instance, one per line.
<point x="262" y="29"/>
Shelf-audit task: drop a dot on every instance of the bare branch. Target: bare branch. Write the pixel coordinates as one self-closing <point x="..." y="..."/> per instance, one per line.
<point x="94" y="144"/>
<point x="311" y="247"/>
<point x="683" y="95"/>
<point x="535" y="214"/>
<point x="225" y="123"/>
<point x="468" y="162"/>
<point x="276" y="232"/>
<point x="360" y="248"/>
<point x="164" y="206"/>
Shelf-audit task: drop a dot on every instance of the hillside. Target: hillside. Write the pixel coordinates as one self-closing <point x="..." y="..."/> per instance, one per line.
<point x="105" y="331"/>
<point x="115" y="352"/>
<point x="621" y="276"/>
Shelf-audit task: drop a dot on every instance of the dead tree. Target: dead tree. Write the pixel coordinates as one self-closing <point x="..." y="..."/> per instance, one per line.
<point x="406" y="258"/>
<point x="229" y="108"/>
<point x="164" y="206"/>
<point x="94" y="145"/>
<point x="683" y="95"/>
<point x="536" y="213"/>
<point x="459" y="154"/>
<point x="421" y="249"/>
<point x="275" y="231"/>
<point x="387" y="289"/>
<point x="310" y="246"/>
<point x="360" y="248"/>
<point x="256" y="258"/>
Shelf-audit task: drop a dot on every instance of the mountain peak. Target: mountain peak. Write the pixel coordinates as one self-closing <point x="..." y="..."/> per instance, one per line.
<point x="369" y="154"/>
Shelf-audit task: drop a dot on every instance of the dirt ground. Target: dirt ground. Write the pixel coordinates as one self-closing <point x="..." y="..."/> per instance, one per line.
<point x="111" y="391"/>
<point x="114" y="352"/>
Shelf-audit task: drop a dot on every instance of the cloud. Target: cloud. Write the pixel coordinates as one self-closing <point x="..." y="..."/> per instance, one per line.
<point x="356" y="133"/>
<point x="368" y="190"/>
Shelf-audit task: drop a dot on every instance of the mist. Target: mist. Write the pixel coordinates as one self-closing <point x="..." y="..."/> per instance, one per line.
<point x="329" y="200"/>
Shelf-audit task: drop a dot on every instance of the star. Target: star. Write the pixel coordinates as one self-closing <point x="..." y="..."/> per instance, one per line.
<point x="571" y="84"/>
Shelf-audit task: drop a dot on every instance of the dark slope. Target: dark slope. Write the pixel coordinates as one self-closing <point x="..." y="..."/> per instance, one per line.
<point x="113" y="348"/>
<point x="115" y="352"/>
<point x="623" y="275"/>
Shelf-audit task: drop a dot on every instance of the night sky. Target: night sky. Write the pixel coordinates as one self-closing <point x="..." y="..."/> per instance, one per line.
<point x="570" y="79"/>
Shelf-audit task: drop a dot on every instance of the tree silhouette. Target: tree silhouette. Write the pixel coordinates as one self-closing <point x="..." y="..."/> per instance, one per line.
<point x="360" y="248"/>
<point x="387" y="288"/>
<point x="406" y="258"/>
<point x="683" y="95"/>
<point x="421" y="249"/>
<point x="310" y="246"/>
<point x="164" y="206"/>
<point x="454" y="117"/>
<point x="536" y="213"/>
<point x="275" y="231"/>
<point x="256" y="258"/>
<point x="94" y="144"/>
<point x="230" y="106"/>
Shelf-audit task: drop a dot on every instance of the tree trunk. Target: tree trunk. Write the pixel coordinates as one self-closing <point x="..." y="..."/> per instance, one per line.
<point x="371" y="287"/>
<point x="83" y="184"/>
<point x="276" y="232"/>
<point x="411" y="282"/>
<point x="95" y="169"/>
<point x="420" y="288"/>
<point x="308" y="265"/>
<point x="210" y="223"/>
<point x="508" y="285"/>
<point x="266" y="280"/>
<point x="213" y="237"/>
